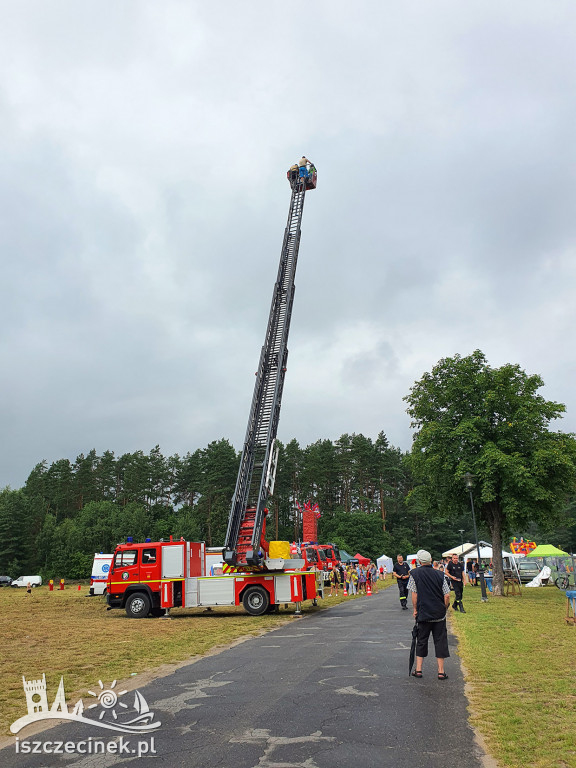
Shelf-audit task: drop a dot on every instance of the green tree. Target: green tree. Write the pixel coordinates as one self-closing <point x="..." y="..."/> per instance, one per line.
<point x="16" y="544"/>
<point x="59" y="489"/>
<point x="219" y="466"/>
<point x="358" y="532"/>
<point x="188" y="478"/>
<point x="85" y="486"/>
<point x="105" y="477"/>
<point x="493" y="423"/>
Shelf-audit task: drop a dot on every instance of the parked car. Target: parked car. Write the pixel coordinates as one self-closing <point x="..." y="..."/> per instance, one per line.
<point x="528" y="570"/>
<point x="5" y="581"/>
<point x="23" y="581"/>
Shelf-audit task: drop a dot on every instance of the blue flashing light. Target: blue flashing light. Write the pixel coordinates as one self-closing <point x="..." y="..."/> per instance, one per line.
<point x="147" y="540"/>
<point x="129" y="539"/>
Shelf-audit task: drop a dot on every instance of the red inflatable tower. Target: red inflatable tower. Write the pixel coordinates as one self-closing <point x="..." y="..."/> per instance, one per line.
<point x="310" y="514"/>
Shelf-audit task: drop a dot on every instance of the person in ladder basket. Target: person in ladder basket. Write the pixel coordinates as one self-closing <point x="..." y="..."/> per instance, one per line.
<point x="455" y="572"/>
<point x="303" y="167"/>
<point x="401" y="571"/>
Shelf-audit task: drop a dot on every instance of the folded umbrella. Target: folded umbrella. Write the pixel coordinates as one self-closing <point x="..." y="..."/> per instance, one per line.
<point x="413" y="647"/>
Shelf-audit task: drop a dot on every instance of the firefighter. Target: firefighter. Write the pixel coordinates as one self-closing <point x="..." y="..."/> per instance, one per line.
<point x="455" y="572"/>
<point x="401" y="571"/>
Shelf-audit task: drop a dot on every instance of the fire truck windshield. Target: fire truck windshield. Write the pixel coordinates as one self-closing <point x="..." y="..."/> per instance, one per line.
<point x="128" y="557"/>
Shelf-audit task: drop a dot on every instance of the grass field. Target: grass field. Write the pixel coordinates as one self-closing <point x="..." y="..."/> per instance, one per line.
<point x="68" y="633"/>
<point x="520" y="658"/>
<point x="518" y="652"/>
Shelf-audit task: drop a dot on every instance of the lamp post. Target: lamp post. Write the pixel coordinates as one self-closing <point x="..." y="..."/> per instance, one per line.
<point x="469" y="480"/>
<point x="461" y="541"/>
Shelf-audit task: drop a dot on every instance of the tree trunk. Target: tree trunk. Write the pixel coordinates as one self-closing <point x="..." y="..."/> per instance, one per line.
<point x="495" y="523"/>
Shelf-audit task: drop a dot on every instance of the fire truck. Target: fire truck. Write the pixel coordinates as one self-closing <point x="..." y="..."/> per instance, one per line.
<point x="149" y="578"/>
<point x="322" y="557"/>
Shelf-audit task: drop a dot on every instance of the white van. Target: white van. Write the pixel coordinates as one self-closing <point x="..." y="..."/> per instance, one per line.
<point x="100" y="571"/>
<point x="23" y="581"/>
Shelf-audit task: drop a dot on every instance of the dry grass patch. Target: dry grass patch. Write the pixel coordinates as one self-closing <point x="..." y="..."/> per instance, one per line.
<point x="67" y="633"/>
<point x="521" y="660"/>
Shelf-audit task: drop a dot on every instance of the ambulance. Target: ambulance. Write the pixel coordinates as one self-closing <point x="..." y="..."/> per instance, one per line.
<point x="100" y="570"/>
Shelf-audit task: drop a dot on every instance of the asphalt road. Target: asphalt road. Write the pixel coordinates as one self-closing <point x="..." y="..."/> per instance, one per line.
<point x="330" y="690"/>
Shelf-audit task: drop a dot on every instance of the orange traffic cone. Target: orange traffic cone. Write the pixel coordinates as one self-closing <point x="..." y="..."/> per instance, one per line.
<point x="345" y="592"/>
<point x="368" y="589"/>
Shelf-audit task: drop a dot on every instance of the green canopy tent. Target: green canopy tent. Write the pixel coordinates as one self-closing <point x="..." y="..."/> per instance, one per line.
<point x="547" y="550"/>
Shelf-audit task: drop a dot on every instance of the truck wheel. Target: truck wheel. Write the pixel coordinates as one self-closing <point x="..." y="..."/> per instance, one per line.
<point x="158" y="612"/>
<point x="256" y="601"/>
<point x="138" y="606"/>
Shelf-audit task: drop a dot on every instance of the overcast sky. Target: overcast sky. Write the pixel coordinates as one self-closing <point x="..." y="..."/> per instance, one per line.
<point x="143" y="199"/>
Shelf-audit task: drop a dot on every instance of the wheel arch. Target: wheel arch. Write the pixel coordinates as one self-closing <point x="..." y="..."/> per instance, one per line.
<point x="133" y="588"/>
<point x="246" y="587"/>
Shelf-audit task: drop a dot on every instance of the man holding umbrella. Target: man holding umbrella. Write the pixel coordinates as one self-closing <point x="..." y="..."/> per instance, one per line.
<point x="430" y="600"/>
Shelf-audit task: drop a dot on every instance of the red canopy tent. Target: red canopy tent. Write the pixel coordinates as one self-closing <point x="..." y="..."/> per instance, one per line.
<point x="361" y="559"/>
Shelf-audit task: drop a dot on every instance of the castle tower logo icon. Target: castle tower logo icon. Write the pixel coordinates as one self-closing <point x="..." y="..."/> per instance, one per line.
<point x="113" y="712"/>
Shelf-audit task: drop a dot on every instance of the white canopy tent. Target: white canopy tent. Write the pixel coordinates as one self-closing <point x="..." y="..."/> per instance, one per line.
<point x="459" y="550"/>
<point x="387" y="562"/>
<point x="509" y="561"/>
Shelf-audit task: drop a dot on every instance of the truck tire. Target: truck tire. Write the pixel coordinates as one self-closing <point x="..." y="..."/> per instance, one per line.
<point x="138" y="606"/>
<point x="256" y="601"/>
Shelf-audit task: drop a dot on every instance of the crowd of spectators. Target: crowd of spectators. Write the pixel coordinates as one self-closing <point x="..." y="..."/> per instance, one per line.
<point x="354" y="578"/>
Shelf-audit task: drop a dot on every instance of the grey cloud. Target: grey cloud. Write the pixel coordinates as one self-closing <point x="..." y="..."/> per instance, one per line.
<point x="143" y="204"/>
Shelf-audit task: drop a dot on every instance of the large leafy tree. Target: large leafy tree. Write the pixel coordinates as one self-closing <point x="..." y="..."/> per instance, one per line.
<point x="491" y="422"/>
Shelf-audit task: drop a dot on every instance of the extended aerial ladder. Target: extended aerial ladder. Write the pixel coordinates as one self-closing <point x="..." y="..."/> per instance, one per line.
<point x="245" y="545"/>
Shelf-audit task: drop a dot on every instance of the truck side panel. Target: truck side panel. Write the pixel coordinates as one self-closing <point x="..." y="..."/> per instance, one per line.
<point x="173" y="562"/>
<point x="216" y="590"/>
<point x="282" y="588"/>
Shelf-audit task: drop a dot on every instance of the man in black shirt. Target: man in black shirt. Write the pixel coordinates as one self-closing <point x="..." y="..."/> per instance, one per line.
<point x="455" y="572"/>
<point x="401" y="571"/>
<point x="430" y="599"/>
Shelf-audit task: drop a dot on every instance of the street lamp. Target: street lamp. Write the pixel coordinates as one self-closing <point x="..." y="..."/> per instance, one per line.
<point x="469" y="480"/>
<point x="462" y="541"/>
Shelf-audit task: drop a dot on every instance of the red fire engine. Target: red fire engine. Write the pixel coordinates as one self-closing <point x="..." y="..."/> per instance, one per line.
<point x="152" y="577"/>
<point x="322" y="557"/>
